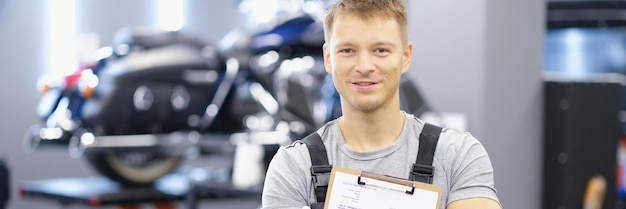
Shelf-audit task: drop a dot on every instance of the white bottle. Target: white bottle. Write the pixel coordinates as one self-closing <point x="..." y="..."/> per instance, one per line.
<point x="248" y="169"/>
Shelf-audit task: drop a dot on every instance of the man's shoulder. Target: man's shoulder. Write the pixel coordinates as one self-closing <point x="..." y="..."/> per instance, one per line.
<point x="292" y="154"/>
<point x="457" y="137"/>
<point x="298" y="146"/>
<point x="455" y="143"/>
<point x="450" y="139"/>
<point x="295" y="145"/>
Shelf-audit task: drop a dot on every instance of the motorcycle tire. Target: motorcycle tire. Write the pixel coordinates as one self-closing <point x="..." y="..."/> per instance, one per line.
<point x="113" y="165"/>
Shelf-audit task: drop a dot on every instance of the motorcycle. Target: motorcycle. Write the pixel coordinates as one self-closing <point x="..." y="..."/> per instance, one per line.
<point x="93" y="102"/>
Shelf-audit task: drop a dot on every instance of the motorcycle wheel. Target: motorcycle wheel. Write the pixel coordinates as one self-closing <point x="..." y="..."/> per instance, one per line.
<point x="137" y="167"/>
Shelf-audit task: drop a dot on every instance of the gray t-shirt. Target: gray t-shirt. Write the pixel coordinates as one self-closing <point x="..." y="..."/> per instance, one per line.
<point x="462" y="166"/>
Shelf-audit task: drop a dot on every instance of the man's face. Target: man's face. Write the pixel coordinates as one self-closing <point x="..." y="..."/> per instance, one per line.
<point x="366" y="59"/>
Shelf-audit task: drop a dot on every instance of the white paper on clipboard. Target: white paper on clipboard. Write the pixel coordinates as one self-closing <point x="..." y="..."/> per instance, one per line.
<point x="352" y="189"/>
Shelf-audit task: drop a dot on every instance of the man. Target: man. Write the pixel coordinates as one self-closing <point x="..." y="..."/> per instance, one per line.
<point x="367" y="51"/>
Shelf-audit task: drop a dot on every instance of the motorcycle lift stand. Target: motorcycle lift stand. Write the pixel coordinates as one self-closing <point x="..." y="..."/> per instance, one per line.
<point x="100" y="191"/>
<point x="184" y="185"/>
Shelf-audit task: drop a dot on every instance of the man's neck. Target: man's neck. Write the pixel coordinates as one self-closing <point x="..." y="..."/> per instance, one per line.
<point x="371" y="131"/>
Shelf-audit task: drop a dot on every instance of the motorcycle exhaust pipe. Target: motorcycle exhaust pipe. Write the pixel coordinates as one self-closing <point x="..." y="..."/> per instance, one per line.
<point x="84" y="141"/>
<point x="38" y="137"/>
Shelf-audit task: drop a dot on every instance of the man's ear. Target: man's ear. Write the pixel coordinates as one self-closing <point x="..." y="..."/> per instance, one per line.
<point x="327" y="64"/>
<point x="407" y="56"/>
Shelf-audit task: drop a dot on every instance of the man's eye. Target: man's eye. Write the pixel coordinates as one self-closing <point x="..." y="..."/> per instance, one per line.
<point x="346" y="51"/>
<point x="381" y="50"/>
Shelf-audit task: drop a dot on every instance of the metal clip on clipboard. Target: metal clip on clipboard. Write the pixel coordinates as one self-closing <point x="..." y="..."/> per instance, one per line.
<point x="387" y="178"/>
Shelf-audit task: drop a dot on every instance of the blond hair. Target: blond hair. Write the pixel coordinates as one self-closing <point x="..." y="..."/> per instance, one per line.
<point x="368" y="9"/>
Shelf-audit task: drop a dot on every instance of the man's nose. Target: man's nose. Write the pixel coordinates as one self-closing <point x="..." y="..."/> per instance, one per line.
<point x="365" y="63"/>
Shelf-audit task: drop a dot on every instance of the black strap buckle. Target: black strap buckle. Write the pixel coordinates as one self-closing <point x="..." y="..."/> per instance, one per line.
<point x="321" y="178"/>
<point x="321" y="174"/>
<point x="422" y="173"/>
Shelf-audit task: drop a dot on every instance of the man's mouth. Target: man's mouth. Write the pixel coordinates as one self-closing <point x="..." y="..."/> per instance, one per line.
<point x="364" y="83"/>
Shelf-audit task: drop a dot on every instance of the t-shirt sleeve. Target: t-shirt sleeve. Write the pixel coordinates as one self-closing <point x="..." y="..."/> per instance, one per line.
<point x="471" y="170"/>
<point x="286" y="182"/>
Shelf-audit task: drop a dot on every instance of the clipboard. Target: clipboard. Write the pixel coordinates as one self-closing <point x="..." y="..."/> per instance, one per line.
<point x="349" y="188"/>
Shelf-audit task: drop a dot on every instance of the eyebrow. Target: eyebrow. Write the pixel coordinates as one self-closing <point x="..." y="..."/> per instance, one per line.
<point x="378" y="43"/>
<point x="385" y="43"/>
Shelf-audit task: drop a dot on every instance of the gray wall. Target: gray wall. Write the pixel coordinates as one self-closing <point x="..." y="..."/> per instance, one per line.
<point x="484" y="59"/>
<point x="23" y="59"/>
<point x="481" y="58"/>
<point x="513" y="117"/>
<point x="209" y="19"/>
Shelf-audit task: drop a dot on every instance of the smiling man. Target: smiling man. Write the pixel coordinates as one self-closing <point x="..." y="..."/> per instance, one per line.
<point x="366" y="52"/>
